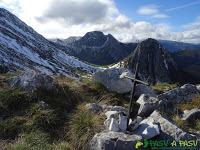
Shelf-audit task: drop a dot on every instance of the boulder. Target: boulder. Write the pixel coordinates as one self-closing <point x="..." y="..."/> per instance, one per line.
<point x="116" y="121"/>
<point x="31" y="80"/>
<point x="94" y="107"/>
<point x="169" y="129"/>
<point x="147" y="128"/>
<point x="147" y="105"/>
<point x="108" y="140"/>
<point x="181" y="94"/>
<point x="143" y="89"/>
<point x="110" y="78"/>
<point x="112" y="114"/>
<point x="114" y="80"/>
<point x="191" y="115"/>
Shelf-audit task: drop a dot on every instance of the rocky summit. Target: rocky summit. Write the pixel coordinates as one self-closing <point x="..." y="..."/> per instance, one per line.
<point x="155" y="64"/>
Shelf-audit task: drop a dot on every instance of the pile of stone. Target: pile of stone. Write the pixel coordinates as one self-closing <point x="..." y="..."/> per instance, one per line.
<point x="150" y="123"/>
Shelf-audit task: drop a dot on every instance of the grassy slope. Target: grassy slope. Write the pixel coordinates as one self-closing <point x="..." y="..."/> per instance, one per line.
<point x="63" y="124"/>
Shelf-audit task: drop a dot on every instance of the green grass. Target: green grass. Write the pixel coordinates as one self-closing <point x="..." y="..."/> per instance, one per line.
<point x="161" y="87"/>
<point x="83" y="125"/>
<point x="11" y="128"/>
<point x="195" y="103"/>
<point x="36" y="140"/>
<point x="62" y="146"/>
<point x="12" y="101"/>
<point x="62" y="124"/>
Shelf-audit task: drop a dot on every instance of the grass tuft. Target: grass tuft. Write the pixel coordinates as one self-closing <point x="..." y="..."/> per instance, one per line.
<point x="161" y="87"/>
<point x="195" y="103"/>
<point x="83" y="125"/>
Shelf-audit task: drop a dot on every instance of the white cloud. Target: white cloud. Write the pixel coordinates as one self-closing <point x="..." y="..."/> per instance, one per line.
<point x="148" y="10"/>
<point x="64" y="18"/>
<point x="153" y="11"/>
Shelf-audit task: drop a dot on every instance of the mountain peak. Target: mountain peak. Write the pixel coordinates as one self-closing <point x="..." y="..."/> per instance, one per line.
<point x="94" y="34"/>
<point x="156" y="64"/>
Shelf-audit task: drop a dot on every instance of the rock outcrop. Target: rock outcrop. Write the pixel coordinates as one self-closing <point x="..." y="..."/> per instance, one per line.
<point x="114" y="80"/>
<point x="31" y="81"/>
<point x="169" y="130"/>
<point x="148" y="128"/>
<point x="147" y="105"/>
<point x="156" y="64"/>
<point x="191" y="115"/>
<point x="109" y="140"/>
<point x="181" y="94"/>
<point x="110" y="78"/>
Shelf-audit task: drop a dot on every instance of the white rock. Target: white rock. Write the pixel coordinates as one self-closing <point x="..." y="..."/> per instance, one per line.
<point x="191" y="115"/>
<point x="169" y="129"/>
<point x="108" y="140"/>
<point x="110" y="78"/>
<point x="122" y="122"/>
<point x="147" y="105"/>
<point x="148" y="128"/>
<point x="114" y="125"/>
<point x="110" y="114"/>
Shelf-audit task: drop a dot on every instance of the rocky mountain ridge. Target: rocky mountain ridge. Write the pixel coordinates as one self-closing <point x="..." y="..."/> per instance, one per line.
<point x="23" y="48"/>
<point x="97" y="48"/>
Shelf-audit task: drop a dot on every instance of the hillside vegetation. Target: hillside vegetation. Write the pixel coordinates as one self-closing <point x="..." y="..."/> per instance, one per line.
<point x="51" y="119"/>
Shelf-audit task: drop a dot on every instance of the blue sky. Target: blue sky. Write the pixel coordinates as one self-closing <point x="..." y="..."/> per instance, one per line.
<point x="179" y="12"/>
<point x="127" y="20"/>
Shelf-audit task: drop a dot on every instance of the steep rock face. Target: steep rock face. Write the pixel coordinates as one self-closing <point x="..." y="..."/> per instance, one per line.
<point x="97" y="48"/>
<point x="21" y="47"/>
<point x="155" y="64"/>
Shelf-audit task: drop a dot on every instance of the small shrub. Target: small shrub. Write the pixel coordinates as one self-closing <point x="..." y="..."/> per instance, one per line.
<point x="11" y="127"/>
<point x="32" y="141"/>
<point x="14" y="100"/>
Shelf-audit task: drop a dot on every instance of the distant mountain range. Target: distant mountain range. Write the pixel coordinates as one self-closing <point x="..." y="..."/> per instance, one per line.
<point x="174" y="46"/>
<point x="97" y="48"/>
<point x="23" y="48"/>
